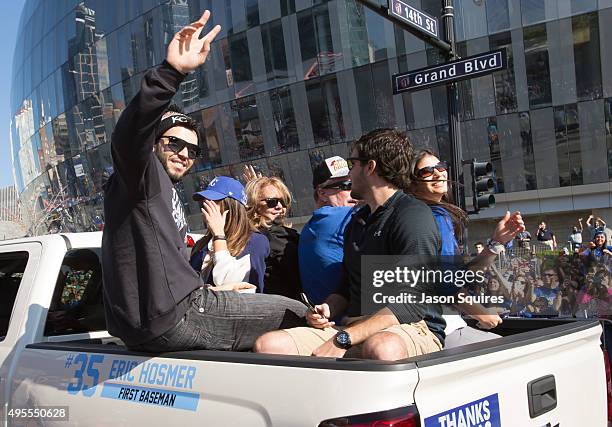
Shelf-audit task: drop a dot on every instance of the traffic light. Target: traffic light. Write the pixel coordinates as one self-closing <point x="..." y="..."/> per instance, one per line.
<point x="482" y="185"/>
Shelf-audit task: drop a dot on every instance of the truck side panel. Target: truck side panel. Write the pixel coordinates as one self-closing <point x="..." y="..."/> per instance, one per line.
<point x="491" y="389"/>
<point x="114" y="389"/>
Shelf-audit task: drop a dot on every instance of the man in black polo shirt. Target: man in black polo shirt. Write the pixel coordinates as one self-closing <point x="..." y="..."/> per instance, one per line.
<point x="390" y="223"/>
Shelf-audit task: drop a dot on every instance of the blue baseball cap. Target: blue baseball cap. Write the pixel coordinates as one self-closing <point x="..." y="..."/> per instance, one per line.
<point x="222" y="187"/>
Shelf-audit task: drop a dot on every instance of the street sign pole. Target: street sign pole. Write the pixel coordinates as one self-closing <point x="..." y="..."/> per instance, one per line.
<point x="454" y="130"/>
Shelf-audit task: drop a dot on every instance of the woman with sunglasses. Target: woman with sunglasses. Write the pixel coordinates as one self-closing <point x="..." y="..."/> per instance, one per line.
<point x="268" y="201"/>
<point x="429" y="183"/>
<point x="232" y="251"/>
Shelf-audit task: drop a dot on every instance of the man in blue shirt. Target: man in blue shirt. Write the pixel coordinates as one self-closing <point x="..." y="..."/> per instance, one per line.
<point x="320" y="250"/>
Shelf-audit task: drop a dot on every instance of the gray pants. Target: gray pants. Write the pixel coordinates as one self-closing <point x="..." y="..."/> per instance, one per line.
<point x="228" y="321"/>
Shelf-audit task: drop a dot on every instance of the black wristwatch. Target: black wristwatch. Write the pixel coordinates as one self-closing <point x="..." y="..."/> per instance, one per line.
<point x="219" y="237"/>
<point x="342" y="340"/>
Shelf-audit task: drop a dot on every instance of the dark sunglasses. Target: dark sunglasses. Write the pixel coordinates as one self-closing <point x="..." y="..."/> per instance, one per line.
<point x="272" y="202"/>
<point x="350" y="161"/>
<point x="343" y="185"/>
<point x="176" y="145"/>
<point x="428" y="171"/>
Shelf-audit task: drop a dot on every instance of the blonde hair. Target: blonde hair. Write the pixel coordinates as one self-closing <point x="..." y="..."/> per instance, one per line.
<point x="253" y="191"/>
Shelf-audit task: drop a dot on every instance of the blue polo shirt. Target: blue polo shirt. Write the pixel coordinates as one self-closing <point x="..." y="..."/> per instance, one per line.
<point x="321" y="250"/>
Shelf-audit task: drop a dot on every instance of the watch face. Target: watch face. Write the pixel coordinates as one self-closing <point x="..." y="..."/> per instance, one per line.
<point x="343" y="339"/>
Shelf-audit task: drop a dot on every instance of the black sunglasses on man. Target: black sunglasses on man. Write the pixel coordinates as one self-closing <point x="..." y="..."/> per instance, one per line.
<point x="176" y="145"/>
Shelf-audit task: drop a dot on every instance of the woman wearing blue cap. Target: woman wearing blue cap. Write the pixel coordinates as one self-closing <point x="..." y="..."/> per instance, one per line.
<point x="231" y="251"/>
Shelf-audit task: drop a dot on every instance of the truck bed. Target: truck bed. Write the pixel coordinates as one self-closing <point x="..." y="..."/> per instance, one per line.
<point x="253" y="389"/>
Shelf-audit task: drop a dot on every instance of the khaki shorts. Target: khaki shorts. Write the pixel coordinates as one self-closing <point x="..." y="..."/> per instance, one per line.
<point x="416" y="336"/>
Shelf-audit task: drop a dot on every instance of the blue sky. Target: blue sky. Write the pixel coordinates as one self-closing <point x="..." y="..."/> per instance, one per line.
<point x="10" y="11"/>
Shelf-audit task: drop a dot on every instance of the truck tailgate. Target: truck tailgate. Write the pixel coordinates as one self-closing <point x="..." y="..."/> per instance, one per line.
<point x="486" y="384"/>
<point x="215" y="388"/>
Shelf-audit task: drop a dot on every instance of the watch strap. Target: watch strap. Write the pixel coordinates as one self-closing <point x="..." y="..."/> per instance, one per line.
<point x="219" y="237"/>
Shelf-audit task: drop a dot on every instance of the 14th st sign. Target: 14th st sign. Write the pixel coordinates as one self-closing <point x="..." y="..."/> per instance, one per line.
<point x="466" y="68"/>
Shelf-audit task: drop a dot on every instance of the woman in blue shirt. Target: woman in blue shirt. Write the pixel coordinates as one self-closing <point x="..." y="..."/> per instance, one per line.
<point x="430" y="184"/>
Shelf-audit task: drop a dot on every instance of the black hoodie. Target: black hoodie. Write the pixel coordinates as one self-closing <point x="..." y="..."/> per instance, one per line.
<point x="147" y="277"/>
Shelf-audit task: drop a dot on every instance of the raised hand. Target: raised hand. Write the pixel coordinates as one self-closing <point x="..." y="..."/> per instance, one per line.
<point x="187" y="51"/>
<point x="249" y="174"/>
<point x="508" y="227"/>
<point x="215" y="220"/>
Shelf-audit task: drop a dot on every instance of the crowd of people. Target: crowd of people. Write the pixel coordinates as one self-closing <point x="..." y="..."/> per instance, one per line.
<point x="564" y="283"/>
<point x="239" y="287"/>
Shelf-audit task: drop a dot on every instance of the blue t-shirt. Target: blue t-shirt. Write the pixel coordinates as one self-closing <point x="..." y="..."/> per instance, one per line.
<point x="321" y="250"/>
<point x="450" y="246"/>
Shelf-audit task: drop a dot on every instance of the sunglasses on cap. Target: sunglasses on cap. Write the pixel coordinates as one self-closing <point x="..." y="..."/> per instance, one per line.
<point x="343" y="185"/>
<point x="176" y="145"/>
<point x="428" y="171"/>
<point x="272" y="202"/>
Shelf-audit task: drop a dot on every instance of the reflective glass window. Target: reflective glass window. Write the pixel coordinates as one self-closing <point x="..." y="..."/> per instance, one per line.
<point x="247" y="128"/>
<point x="567" y="135"/>
<point x="252" y="13"/>
<point x="528" y="154"/>
<point x="284" y="120"/>
<point x="308" y="44"/>
<point x="377" y="43"/>
<point x="274" y="51"/>
<point x="241" y="62"/>
<point x="212" y="151"/>
<point x="504" y="81"/>
<point x="537" y="65"/>
<point x="582" y="6"/>
<point x="365" y="95"/>
<point x="533" y="11"/>
<point x="383" y="95"/>
<point x="495" y="153"/>
<point x="608" y="112"/>
<point x="357" y="33"/>
<point x="585" y="29"/>
<point x="287" y="7"/>
<point x="326" y="55"/>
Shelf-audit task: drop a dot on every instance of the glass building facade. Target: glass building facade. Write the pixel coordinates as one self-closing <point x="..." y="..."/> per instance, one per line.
<point x="290" y="82"/>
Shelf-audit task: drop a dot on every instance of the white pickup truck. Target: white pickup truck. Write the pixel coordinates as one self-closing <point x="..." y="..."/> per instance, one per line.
<point x="58" y="366"/>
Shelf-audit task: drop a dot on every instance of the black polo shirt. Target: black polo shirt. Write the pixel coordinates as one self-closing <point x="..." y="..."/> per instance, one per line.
<point x="403" y="225"/>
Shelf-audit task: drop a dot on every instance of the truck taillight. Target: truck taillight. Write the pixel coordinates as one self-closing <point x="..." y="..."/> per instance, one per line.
<point x="407" y="416"/>
<point x="608" y="383"/>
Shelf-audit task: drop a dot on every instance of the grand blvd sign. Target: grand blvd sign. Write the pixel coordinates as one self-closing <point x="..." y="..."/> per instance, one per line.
<point x="466" y="68"/>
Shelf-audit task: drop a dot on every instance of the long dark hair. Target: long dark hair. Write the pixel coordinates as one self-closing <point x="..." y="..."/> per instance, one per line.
<point x="458" y="215"/>
<point x="237" y="228"/>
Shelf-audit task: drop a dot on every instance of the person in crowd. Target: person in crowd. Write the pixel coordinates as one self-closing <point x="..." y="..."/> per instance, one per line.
<point x="546" y="237"/>
<point x="391" y="222"/>
<point x="478" y="248"/>
<point x="598" y="252"/>
<point x="596" y="225"/>
<point x="548" y="289"/>
<point x="268" y="203"/>
<point x="429" y="183"/>
<point x="497" y="287"/>
<point x="523" y="239"/>
<point x="154" y="300"/>
<point x="231" y="251"/>
<point x="322" y="239"/>
<point x="575" y="237"/>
